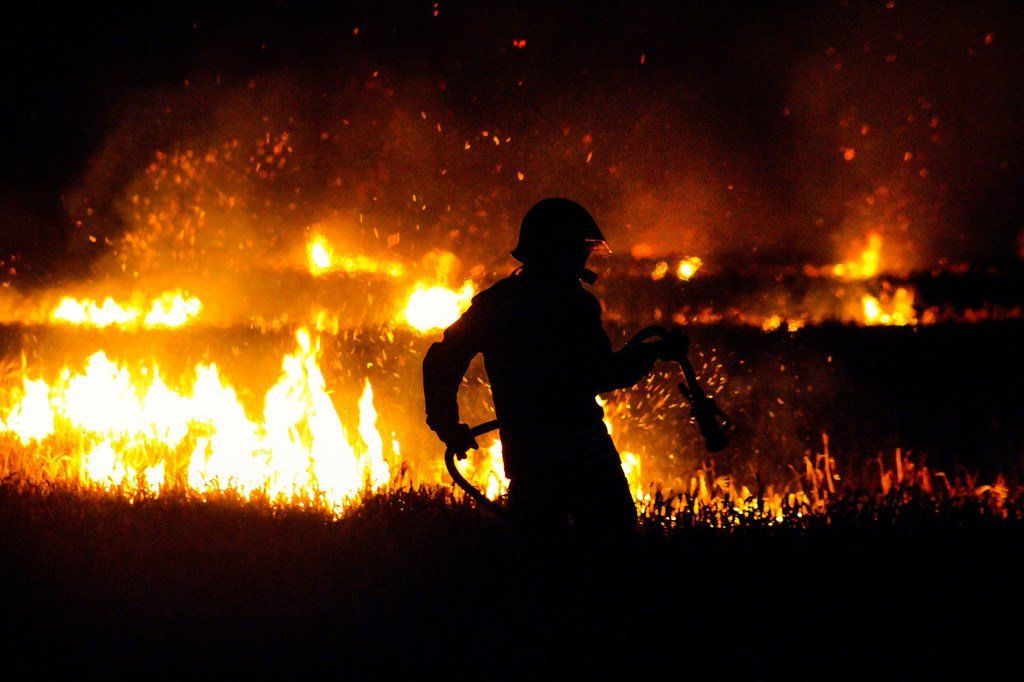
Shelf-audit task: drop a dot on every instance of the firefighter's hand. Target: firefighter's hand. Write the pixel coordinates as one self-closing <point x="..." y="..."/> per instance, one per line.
<point x="459" y="439"/>
<point x="672" y="347"/>
<point x="680" y="341"/>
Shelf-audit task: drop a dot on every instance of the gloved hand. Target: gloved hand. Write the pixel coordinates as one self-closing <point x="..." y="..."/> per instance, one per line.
<point x="674" y="346"/>
<point x="669" y="348"/>
<point x="459" y="439"/>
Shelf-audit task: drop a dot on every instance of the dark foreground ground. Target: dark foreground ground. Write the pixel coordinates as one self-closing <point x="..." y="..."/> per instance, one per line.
<point x="414" y="584"/>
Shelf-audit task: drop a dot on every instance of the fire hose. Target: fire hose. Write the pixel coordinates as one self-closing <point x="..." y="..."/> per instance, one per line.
<point x="710" y="419"/>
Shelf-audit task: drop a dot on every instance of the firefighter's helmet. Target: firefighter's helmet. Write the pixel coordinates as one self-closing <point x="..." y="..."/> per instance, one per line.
<point x="554" y="226"/>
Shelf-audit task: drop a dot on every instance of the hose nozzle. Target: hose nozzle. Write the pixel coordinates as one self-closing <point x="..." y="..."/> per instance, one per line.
<point x="712" y="422"/>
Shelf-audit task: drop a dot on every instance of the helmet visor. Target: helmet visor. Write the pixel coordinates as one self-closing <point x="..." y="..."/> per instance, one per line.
<point x="597" y="247"/>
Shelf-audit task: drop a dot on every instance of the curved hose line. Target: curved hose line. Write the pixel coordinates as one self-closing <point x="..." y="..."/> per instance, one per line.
<point x="461" y="481"/>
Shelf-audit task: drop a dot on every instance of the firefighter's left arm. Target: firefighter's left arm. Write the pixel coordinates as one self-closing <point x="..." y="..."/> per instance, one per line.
<point x="617" y="369"/>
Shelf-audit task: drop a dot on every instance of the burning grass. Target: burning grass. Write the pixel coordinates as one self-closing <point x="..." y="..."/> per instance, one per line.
<point x="311" y="420"/>
<point x="905" y="492"/>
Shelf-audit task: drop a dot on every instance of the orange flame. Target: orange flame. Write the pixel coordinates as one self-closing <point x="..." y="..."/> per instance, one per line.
<point x="896" y="309"/>
<point x="430" y="308"/>
<point x="169" y="309"/>
<point x="688" y="267"/>
<point x="121" y="420"/>
<point x="866" y="264"/>
<point x="321" y="258"/>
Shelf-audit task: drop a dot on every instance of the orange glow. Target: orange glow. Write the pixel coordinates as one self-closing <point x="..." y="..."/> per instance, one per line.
<point x="321" y="258"/>
<point x="430" y="308"/>
<point x="865" y="264"/>
<point x="684" y="270"/>
<point x="688" y="267"/>
<point x="319" y="255"/>
<point x="170" y="309"/>
<point x="774" y="322"/>
<point x="641" y="250"/>
<point x="485" y="469"/>
<point x="896" y="309"/>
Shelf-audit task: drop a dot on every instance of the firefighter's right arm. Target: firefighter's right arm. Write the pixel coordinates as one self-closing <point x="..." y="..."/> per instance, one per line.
<point x="444" y="366"/>
<point x="613" y="370"/>
<point x="636" y="360"/>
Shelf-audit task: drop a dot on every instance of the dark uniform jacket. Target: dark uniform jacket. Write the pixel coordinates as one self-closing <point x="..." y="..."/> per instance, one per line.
<point x="546" y="356"/>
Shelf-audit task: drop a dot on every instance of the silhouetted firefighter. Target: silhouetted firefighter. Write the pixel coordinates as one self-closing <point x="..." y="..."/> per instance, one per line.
<point x="547" y="357"/>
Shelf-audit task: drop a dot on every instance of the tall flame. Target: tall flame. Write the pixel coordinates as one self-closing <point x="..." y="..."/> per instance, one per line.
<point x="133" y="429"/>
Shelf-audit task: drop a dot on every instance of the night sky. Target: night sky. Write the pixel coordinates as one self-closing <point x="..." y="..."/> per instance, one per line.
<point x="728" y="130"/>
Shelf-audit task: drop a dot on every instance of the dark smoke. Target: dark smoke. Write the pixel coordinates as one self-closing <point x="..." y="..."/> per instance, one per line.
<point x="725" y="131"/>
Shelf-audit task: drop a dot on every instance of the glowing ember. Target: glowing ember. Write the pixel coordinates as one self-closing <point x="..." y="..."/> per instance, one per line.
<point x="774" y="322"/>
<point x="170" y="309"/>
<point x="435" y="307"/>
<point x="688" y="267"/>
